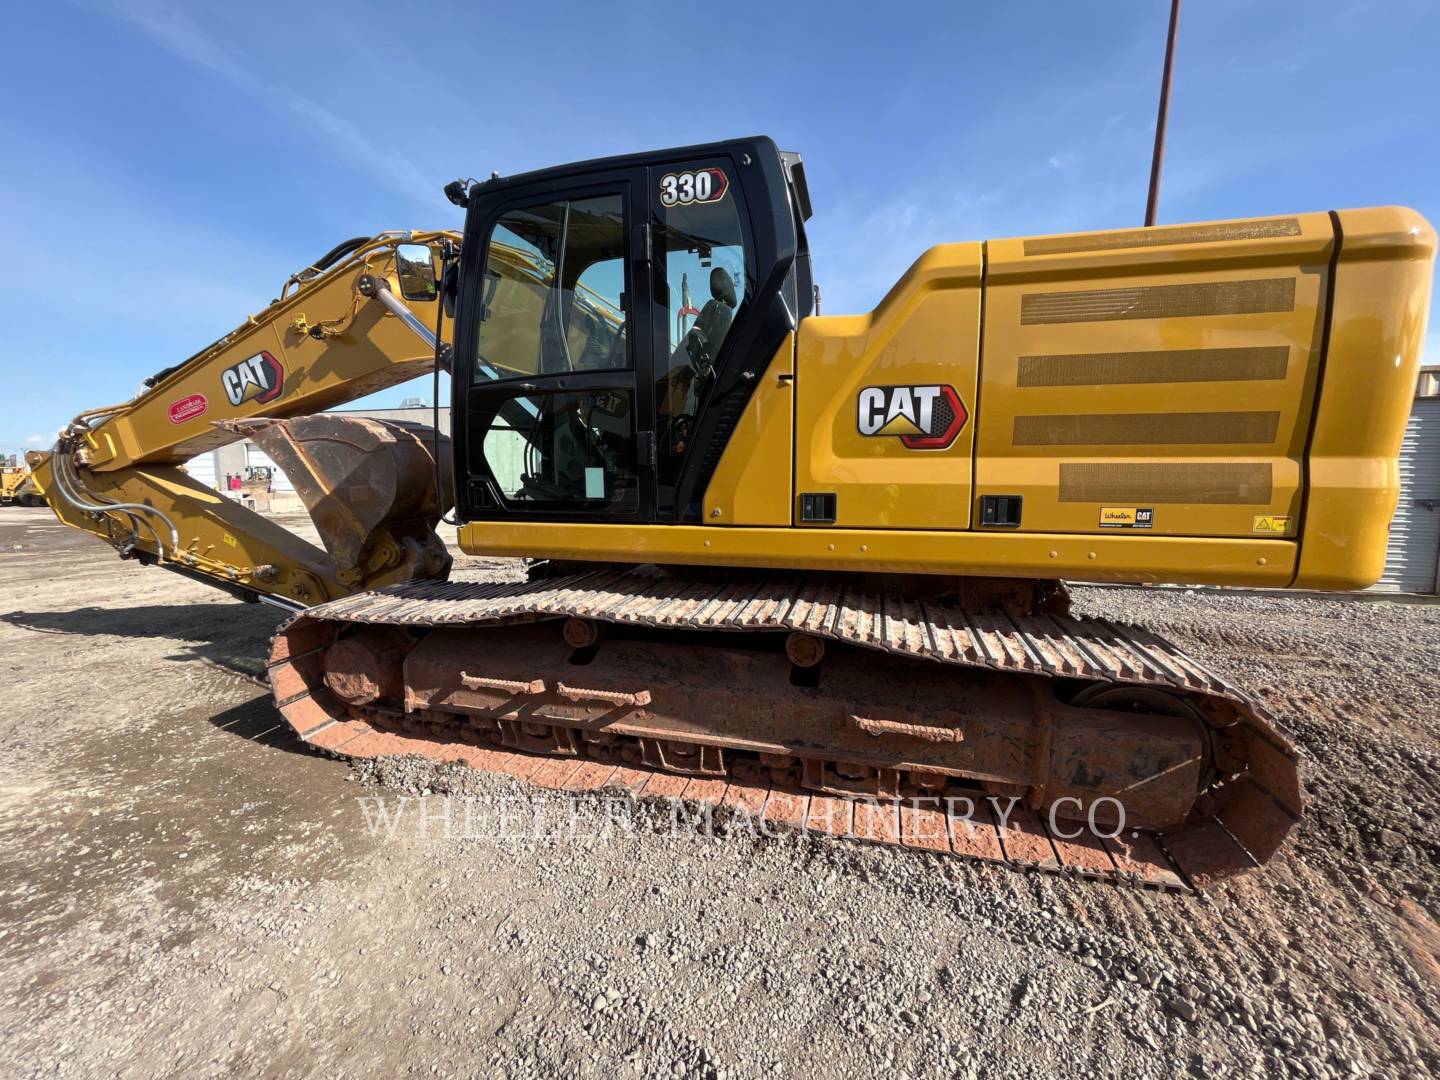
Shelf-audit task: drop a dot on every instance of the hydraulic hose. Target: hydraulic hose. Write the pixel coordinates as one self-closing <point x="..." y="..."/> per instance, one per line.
<point x="68" y="487"/>
<point x="339" y="251"/>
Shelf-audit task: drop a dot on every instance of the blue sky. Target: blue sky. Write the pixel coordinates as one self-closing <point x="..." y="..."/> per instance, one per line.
<point x="169" y="164"/>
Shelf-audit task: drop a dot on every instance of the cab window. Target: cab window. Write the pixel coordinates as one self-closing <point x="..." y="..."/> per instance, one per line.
<point x="552" y="296"/>
<point x="705" y="283"/>
<point x="563" y="449"/>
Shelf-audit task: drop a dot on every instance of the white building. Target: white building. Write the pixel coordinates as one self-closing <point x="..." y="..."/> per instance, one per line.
<point x="1412" y="563"/>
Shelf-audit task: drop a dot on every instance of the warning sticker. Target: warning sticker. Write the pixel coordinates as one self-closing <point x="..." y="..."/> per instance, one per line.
<point x="1127" y="517"/>
<point x="1274" y="524"/>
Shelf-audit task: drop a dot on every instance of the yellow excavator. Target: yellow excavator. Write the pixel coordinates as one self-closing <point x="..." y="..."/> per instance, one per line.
<point x="808" y="566"/>
<point x="16" y="487"/>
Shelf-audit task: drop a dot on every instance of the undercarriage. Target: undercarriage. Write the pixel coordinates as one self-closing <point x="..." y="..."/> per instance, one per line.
<point x="946" y="721"/>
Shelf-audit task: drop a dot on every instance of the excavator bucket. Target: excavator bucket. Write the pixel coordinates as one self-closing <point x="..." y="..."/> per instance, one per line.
<point x="370" y="488"/>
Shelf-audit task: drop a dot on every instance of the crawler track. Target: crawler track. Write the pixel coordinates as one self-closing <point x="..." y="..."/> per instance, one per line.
<point x="686" y="695"/>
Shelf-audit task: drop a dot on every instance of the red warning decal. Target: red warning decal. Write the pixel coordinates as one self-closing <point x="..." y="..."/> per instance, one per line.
<point x="188" y="408"/>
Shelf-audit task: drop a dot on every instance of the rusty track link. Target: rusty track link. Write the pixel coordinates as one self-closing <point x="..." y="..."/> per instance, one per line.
<point x="1237" y="823"/>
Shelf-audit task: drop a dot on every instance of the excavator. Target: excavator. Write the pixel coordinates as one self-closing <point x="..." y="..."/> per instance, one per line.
<point x="16" y="488"/>
<point x="808" y="566"/>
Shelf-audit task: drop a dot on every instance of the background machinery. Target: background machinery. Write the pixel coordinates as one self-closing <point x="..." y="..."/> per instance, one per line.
<point x="16" y="487"/>
<point x="813" y="557"/>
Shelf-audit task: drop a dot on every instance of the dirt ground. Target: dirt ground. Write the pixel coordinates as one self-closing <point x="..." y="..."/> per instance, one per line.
<point x="185" y="890"/>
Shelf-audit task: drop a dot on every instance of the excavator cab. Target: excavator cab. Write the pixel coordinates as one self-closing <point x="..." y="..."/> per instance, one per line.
<point x="579" y="392"/>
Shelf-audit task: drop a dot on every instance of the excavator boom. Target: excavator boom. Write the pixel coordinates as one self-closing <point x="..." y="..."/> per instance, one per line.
<point x="337" y="332"/>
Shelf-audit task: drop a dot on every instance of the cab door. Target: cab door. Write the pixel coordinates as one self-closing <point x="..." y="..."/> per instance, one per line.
<point x="553" y="419"/>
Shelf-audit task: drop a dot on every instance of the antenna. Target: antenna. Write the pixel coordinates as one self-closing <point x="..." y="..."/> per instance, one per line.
<point x="1152" y="204"/>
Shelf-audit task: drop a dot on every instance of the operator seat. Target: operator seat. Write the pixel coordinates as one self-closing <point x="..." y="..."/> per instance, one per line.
<point x="706" y="336"/>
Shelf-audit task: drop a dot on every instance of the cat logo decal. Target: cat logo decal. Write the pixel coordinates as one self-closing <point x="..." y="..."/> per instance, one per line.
<point x="922" y="417"/>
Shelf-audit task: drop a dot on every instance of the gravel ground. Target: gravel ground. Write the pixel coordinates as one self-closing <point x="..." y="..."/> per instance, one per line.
<point x="184" y="890"/>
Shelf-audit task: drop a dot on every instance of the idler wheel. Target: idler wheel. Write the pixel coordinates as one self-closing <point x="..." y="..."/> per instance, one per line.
<point x="1153" y="701"/>
<point x="368" y="665"/>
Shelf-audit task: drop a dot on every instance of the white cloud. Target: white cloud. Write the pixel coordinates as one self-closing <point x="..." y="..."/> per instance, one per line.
<point x="395" y="169"/>
<point x="169" y="26"/>
<point x="172" y="29"/>
<point x="36" y="440"/>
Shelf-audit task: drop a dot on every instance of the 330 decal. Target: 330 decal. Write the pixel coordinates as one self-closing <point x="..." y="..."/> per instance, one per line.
<point x="260" y="379"/>
<point x="922" y="417"/>
<point x="702" y="186"/>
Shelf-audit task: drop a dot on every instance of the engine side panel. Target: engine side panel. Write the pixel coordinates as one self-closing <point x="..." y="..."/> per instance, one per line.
<point x="876" y="427"/>
<point x="1155" y="381"/>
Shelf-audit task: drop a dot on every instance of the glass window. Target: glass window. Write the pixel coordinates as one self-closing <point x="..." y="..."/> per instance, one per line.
<point x="554" y="283"/>
<point x="596" y="327"/>
<point x="704" y="285"/>
<point x="565" y="447"/>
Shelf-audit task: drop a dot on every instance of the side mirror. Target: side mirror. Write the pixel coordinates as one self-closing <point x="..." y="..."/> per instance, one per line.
<point x="415" y="268"/>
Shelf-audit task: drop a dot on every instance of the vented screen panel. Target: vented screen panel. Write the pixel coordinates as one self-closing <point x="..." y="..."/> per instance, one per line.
<point x="1148" y="429"/>
<point x="1159" y="301"/>
<point x="1159" y="366"/>
<point x="1174" y="234"/>
<point x="1218" y="483"/>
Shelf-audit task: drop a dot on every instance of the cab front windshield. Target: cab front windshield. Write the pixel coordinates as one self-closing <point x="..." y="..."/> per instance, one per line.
<point x="553" y="288"/>
<point x="553" y="304"/>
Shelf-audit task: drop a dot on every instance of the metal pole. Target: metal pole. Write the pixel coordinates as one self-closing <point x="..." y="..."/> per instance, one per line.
<point x="1153" y="203"/>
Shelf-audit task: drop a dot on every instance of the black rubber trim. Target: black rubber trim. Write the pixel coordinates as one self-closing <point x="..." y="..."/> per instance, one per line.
<point x="1329" y="318"/>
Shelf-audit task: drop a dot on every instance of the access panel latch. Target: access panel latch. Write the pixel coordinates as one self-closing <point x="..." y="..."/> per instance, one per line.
<point x="1000" y="511"/>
